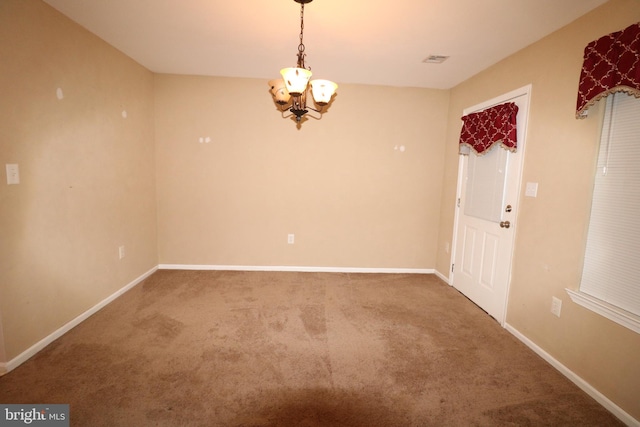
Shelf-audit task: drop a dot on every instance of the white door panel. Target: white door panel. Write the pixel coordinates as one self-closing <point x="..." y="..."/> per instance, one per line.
<point x="468" y="247"/>
<point x="489" y="260"/>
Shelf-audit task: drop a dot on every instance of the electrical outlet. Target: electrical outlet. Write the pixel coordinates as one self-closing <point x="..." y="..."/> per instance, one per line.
<point x="121" y="252"/>
<point x="291" y="238"/>
<point x="556" y="306"/>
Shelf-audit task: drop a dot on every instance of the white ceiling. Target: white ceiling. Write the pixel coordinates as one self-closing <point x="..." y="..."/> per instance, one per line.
<point x="380" y="42"/>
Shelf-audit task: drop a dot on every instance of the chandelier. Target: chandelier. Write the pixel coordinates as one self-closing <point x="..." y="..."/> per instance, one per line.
<point x="290" y="93"/>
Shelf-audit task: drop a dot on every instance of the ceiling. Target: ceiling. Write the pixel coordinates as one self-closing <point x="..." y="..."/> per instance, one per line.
<point x="379" y="42"/>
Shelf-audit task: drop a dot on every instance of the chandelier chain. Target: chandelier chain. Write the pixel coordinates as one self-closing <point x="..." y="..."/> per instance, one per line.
<point x="301" y="53"/>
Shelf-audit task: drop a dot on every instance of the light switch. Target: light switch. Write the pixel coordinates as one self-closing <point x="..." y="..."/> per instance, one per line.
<point x="13" y="174"/>
<point x="532" y="189"/>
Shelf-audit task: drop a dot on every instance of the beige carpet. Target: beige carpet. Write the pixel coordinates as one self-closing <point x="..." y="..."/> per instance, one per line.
<point x="193" y="348"/>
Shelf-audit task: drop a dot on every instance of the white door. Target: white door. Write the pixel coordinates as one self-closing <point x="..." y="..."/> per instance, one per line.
<point x="486" y="214"/>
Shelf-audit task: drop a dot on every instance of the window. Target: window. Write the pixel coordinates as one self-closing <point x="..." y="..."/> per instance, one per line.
<point x="610" y="282"/>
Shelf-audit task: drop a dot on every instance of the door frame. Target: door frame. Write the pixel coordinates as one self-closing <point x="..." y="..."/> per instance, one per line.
<point x="522" y="91"/>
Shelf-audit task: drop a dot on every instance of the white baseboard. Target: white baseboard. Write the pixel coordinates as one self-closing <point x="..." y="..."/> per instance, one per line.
<point x="585" y="386"/>
<point x="444" y="278"/>
<point x="295" y="269"/>
<point x="31" y="351"/>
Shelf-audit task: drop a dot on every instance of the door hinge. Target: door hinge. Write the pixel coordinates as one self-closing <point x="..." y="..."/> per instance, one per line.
<point x="458" y="202"/>
<point x="452" y="265"/>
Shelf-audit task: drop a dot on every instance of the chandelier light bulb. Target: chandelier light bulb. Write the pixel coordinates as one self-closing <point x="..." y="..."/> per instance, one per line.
<point x="322" y="91"/>
<point x="279" y="91"/>
<point x="296" y="80"/>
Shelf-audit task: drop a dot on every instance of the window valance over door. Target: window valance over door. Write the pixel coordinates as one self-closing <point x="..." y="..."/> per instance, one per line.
<point x="495" y="125"/>
<point x="611" y="64"/>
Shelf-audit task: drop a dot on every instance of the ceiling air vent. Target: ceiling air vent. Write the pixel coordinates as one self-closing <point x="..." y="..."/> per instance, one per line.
<point x="435" y="59"/>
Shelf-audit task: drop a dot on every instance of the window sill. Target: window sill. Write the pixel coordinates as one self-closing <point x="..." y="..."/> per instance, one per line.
<point x="609" y="311"/>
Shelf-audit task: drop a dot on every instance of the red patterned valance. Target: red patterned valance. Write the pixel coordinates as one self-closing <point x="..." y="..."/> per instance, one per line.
<point x="611" y="64"/>
<point x="494" y="125"/>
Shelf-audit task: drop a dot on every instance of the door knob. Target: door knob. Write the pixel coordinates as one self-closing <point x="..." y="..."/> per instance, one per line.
<point x="505" y="224"/>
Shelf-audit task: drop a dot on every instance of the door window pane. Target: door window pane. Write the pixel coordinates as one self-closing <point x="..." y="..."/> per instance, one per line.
<point x="486" y="177"/>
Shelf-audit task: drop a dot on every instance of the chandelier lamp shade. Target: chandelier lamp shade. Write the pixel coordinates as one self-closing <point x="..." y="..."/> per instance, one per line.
<point x="290" y="93"/>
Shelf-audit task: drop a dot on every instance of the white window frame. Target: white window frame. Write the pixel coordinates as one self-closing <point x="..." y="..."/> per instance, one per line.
<point x="610" y="311"/>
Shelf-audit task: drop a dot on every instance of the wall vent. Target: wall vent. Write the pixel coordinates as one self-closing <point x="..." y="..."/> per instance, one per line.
<point x="435" y="59"/>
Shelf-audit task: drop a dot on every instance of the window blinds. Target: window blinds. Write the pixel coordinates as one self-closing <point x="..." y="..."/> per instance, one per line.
<point x="611" y="270"/>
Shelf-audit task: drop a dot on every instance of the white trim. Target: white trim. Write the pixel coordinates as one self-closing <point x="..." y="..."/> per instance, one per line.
<point x="295" y="269"/>
<point x="31" y="351"/>
<point x="611" y="312"/>
<point x="577" y="380"/>
<point x="444" y="278"/>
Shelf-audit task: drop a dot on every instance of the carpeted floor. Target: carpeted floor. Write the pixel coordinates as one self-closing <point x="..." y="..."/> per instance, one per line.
<point x="211" y="348"/>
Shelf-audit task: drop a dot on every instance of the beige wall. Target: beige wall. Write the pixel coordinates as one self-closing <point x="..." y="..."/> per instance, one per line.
<point x="340" y="185"/>
<point x="87" y="173"/>
<point x="551" y="230"/>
